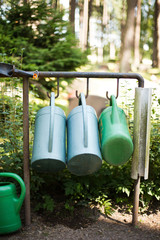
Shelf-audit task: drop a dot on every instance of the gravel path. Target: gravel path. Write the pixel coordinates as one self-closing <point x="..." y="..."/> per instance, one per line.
<point x="99" y="227"/>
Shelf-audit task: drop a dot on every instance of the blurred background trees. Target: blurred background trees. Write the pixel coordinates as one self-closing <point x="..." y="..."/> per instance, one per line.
<point x="125" y="31"/>
<point x="57" y="35"/>
<point x="34" y="35"/>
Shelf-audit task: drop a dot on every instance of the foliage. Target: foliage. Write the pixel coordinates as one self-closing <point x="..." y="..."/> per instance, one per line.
<point x="34" y="36"/>
<point x="103" y="201"/>
<point x="147" y="25"/>
<point x="47" y="203"/>
<point x="109" y="184"/>
<point x="10" y="131"/>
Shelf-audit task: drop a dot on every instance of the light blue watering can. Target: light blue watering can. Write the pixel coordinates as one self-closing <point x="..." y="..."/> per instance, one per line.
<point x="83" y="150"/>
<point x="49" y="151"/>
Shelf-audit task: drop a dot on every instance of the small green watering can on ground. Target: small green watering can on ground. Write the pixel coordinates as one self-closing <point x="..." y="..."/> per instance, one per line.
<point x="116" y="142"/>
<point x="10" y="204"/>
<point x="49" y="147"/>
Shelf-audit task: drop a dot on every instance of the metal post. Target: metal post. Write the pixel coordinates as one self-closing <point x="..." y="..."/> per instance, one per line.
<point x="26" y="149"/>
<point x="136" y="201"/>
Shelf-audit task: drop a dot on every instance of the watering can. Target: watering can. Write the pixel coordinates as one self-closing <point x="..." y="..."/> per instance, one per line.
<point x="49" y="146"/>
<point x="83" y="150"/>
<point x="10" y="204"/>
<point x="116" y="142"/>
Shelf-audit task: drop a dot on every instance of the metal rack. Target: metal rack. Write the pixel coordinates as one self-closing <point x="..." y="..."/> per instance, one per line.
<point x="8" y="70"/>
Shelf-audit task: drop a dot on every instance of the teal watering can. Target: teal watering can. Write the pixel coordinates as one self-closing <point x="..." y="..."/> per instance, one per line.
<point x="83" y="150"/>
<point x="49" y="146"/>
<point x="116" y="142"/>
<point x="10" y="204"/>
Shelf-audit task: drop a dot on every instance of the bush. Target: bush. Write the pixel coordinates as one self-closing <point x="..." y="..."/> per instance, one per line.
<point x="109" y="184"/>
<point x="47" y="42"/>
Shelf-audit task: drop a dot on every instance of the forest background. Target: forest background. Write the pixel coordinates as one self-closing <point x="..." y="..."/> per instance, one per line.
<point x="119" y="35"/>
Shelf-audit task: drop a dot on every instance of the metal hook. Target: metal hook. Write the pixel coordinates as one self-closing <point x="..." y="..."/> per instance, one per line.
<point x="57" y="90"/>
<point x="87" y="90"/>
<point x="117" y="91"/>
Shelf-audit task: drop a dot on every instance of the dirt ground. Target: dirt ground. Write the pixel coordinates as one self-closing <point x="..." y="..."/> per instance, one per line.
<point x="86" y="223"/>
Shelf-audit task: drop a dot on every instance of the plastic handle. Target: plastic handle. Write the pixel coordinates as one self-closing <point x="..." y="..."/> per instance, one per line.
<point x="22" y="185"/>
<point x="85" y="121"/>
<point x="51" y="124"/>
<point x="115" y="115"/>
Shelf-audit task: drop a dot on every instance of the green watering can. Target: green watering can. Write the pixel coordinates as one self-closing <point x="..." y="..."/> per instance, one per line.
<point x="10" y="204"/>
<point x="116" y="142"/>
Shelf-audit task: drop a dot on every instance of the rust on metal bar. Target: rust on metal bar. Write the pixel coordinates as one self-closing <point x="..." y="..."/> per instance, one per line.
<point x="26" y="149"/>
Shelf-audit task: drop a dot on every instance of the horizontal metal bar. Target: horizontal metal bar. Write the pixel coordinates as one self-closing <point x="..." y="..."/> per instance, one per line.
<point x="20" y="73"/>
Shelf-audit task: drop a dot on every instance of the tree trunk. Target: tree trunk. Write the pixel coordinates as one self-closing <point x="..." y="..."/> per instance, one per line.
<point x="156" y="36"/>
<point x="123" y="22"/>
<point x="89" y="15"/>
<point x="97" y="2"/>
<point x="55" y="4"/>
<point x="105" y="13"/>
<point x="125" y="63"/>
<point x="137" y="35"/>
<point x="80" y="23"/>
<point x="72" y="14"/>
<point x="85" y="25"/>
<point x="158" y="33"/>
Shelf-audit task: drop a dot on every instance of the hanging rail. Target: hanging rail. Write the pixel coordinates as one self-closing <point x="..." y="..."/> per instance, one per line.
<point x="8" y="70"/>
<point x="20" y="73"/>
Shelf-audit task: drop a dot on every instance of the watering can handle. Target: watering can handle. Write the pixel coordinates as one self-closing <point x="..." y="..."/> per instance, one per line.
<point x="51" y="124"/>
<point x="22" y="185"/>
<point x="115" y="115"/>
<point x="85" y="121"/>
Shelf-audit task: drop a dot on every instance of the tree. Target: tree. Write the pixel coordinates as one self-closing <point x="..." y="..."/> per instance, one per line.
<point x="37" y="37"/>
<point x="72" y="14"/>
<point x="137" y="35"/>
<point x="85" y="25"/>
<point x="89" y="15"/>
<point x="156" y="35"/>
<point x="125" y="61"/>
<point x="105" y="13"/>
<point x="122" y="26"/>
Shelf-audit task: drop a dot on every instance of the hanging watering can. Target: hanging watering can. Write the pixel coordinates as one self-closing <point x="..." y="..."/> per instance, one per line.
<point x="83" y="151"/>
<point x="10" y="204"/>
<point x="116" y="142"/>
<point x="49" y="147"/>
